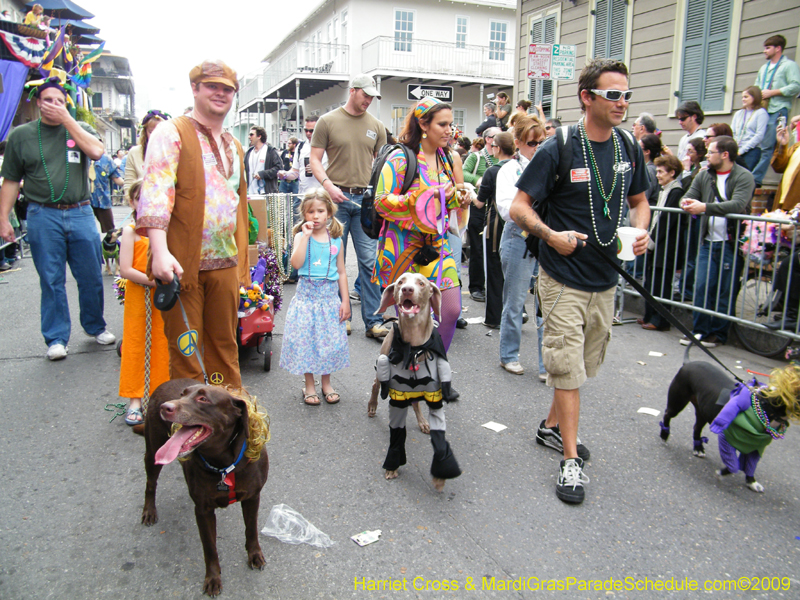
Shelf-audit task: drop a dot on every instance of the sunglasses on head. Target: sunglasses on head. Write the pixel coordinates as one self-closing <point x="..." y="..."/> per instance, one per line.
<point x="614" y="95"/>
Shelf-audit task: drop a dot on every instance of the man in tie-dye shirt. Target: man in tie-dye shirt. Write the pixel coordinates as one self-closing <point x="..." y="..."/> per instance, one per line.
<point x="210" y="280"/>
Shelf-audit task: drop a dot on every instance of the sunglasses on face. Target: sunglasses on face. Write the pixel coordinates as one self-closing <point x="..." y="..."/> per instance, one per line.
<point x="614" y="95"/>
<point x="682" y="119"/>
<point x="308" y="130"/>
<point x="548" y="127"/>
<point x="532" y="144"/>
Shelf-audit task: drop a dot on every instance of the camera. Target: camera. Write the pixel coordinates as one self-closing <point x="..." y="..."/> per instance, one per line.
<point x="426" y="255"/>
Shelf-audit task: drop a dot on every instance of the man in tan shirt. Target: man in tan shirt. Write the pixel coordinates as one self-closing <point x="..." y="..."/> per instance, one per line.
<point x="352" y="137"/>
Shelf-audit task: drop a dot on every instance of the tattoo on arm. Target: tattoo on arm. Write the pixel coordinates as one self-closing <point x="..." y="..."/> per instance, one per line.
<point x="540" y="231"/>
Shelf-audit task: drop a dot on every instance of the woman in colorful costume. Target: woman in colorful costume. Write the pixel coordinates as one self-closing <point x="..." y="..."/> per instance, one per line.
<point x="414" y="234"/>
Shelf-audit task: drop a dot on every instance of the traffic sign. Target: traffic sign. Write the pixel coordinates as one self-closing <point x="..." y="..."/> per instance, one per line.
<point x="440" y="92"/>
<point x="551" y="61"/>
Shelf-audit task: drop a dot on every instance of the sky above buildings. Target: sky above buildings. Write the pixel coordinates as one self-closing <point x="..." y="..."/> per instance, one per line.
<point x="164" y="39"/>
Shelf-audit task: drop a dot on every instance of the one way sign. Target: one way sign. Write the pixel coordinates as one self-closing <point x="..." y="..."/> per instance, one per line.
<point x="443" y="93"/>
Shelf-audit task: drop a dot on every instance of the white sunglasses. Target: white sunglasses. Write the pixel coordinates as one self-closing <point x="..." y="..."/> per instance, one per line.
<point x="614" y="95"/>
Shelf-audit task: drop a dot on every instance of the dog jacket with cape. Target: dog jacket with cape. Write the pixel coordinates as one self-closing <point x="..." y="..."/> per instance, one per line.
<point x="410" y="373"/>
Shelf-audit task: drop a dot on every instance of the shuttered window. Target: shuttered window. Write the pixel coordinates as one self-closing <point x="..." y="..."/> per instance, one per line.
<point x="610" y="26"/>
<point x="704" y="64"/>
<point x="543" y="31"/>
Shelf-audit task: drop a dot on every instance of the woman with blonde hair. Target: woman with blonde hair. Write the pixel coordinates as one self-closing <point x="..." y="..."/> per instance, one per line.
<point x="518" y="264"/>
<point x="134" y="166"/>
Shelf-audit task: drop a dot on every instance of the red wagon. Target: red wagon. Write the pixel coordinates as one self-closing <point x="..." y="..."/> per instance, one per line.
<point x="255" y="330"/>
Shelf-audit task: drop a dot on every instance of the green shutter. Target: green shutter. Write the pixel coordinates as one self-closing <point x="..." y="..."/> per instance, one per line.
<point x="705" y="52"/>
<point x="543" y="31"/>
<point x="601" y="29"/>
<point x="610" y="27"/>
<point x="618" y="21"/>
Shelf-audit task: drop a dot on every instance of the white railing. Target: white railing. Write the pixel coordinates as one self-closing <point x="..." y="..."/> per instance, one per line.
<point x="437" y="58"/>
<point x="251" y="89"/>
<point x="310" y="58"/>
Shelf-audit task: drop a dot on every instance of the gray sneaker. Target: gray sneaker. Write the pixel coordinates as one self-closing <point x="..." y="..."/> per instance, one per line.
<point x="551" y="437"/>
<point x="571" y="478"/>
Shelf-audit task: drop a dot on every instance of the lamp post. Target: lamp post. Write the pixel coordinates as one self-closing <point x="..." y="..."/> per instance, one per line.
<point x="283" y="111"/>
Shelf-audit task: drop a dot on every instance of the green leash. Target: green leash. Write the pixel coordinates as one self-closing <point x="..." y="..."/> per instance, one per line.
<point x="121" y="406"/>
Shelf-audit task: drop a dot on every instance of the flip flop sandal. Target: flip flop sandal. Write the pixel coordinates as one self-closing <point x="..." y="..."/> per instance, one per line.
<point x="307" y="397"/>
<point x="134" y="412"/>
<point x="329" y="395"/>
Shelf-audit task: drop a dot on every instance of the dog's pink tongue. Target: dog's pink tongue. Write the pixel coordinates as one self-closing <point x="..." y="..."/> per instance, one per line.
<point x="169" y="451"/>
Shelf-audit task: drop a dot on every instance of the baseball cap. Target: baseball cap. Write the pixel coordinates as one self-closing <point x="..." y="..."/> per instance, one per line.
<point x="214" y="71"/>
<point x="366" y="83"/>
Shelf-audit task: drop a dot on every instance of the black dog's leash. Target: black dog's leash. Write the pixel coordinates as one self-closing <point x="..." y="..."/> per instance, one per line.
<point x="659" y="308"/>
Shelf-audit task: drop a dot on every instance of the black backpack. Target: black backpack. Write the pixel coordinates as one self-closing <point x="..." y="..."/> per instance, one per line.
<point x="563" y="139"/>
<point x="371" y="221"/>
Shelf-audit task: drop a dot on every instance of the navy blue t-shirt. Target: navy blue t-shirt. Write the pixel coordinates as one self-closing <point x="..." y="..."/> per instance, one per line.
<point x="568" y="209"/>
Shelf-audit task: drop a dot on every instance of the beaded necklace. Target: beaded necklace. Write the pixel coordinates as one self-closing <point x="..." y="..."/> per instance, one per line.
<point x="777" y="434"/>
<point x="44" y="163"/>
<point x="330" y="255"/>
<point x="587" y="151"/>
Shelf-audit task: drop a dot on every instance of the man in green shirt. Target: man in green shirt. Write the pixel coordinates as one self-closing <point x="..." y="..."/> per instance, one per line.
<point x="779" y="80"/>
<point x="52" y="155"/>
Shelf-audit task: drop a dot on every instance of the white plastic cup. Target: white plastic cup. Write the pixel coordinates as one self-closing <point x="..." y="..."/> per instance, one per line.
<point x="626" y="236"/>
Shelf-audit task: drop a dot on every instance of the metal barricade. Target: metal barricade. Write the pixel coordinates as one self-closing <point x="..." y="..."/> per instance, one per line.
<point x="758" y="282"/>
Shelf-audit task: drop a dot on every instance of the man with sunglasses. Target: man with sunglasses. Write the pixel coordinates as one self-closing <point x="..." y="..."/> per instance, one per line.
<point x="690" y="116"/>
<point x="262" y="163"/>
<point x="576" y="287"/>
<point x="550" y="127"/>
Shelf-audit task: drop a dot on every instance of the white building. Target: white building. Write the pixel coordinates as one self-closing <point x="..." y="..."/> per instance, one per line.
<point x="468" y="46"/>
<point x="113" y="101"/>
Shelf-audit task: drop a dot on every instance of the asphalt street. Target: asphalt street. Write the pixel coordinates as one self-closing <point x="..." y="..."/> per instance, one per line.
<point x="654" y="515"/>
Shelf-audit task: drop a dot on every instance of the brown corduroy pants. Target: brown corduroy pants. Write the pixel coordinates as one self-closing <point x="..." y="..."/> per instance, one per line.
<point x="211" y="308"/>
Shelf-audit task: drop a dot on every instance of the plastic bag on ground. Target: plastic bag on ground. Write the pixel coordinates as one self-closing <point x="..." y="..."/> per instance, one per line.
<point x="291" y="527"/>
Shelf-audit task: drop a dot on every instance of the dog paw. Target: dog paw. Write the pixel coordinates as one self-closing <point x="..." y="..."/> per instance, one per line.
<point x="391" y="474"/>
<point x="438" y="484"/>
<point x="212" y="586"/>
<point x="256" y="560"/>
<point x="756" y="487"/>
<point x="149" y="517"/>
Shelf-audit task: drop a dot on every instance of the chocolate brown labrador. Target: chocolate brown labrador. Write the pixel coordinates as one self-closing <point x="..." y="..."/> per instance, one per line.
<point x="212" y="439"/>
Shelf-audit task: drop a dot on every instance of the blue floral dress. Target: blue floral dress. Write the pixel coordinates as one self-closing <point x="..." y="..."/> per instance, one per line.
<point x="314" y="341"/>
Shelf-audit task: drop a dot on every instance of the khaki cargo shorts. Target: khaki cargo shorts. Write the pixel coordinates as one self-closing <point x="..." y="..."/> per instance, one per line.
<point x="576" y="332"/>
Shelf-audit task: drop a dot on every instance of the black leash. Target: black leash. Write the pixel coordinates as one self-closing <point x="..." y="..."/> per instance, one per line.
<point x="661" y="309"/>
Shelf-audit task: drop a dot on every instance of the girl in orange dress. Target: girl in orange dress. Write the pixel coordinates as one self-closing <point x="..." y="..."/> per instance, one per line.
<point x="134" y="369"/>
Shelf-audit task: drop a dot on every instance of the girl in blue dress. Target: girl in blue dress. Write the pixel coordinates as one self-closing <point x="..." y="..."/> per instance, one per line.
<point x="315" y="335"/>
